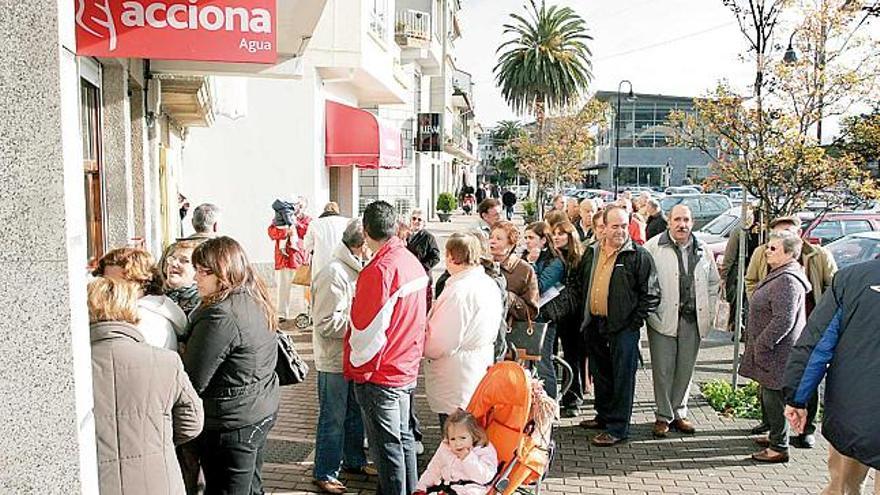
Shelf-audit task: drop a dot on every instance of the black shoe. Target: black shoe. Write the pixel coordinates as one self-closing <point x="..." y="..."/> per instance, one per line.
<point x="806" y="441"/>
<point x="570" y="412"/>
<point x="760" y="429"/>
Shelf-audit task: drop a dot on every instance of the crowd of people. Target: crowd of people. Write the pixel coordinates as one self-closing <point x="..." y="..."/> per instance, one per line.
<point x="192" y="340"/>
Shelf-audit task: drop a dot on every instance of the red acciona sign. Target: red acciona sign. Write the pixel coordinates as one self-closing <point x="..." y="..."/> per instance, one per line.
<point x="205" y="30"/>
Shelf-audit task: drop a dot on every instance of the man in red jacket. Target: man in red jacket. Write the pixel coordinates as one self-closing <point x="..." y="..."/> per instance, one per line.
<point x="384" y="346"/>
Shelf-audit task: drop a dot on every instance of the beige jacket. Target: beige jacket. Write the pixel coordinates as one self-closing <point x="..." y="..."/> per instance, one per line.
<point x="144" y="406"/>
<point x="333" y="289"/>
<point x="817" y="261"/>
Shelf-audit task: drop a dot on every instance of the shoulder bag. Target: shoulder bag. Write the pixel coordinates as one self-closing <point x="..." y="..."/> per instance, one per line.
<point x="290" y="367"/>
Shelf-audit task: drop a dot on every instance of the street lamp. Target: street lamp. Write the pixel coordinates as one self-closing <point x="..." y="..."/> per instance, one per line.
<point x="629" y="97"/>
<point x="790" y="56"/>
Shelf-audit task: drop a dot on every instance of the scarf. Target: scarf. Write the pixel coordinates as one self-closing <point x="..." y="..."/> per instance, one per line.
<point x="187" y="298"/>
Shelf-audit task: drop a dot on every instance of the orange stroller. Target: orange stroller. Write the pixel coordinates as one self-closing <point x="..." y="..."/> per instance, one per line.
<point x="518" y="419"/>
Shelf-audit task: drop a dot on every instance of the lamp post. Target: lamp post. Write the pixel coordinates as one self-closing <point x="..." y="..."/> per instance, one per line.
<point x="629" y="97"/>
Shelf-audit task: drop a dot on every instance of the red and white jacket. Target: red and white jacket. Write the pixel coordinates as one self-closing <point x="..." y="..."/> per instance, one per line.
<point x="387" y="335"/>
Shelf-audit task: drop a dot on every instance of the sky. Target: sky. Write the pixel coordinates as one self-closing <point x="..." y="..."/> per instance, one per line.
<point x="671" y="47"/>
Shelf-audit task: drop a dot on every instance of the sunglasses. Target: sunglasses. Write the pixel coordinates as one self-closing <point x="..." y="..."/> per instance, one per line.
<point x="416" y="219"/>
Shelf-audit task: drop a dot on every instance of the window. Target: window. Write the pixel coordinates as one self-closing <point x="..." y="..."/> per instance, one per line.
<point x="856" y="226"/>
<point x="90" y="121"/>
<point x="713" y="204"/>
<point x="827" y="231"/>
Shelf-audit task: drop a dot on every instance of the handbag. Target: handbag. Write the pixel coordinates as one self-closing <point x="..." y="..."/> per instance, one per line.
<point x="302" y="275"/>
<point x="528" y="338"/>
<point x="290" y="367"/>
<point x="561" y="306"/>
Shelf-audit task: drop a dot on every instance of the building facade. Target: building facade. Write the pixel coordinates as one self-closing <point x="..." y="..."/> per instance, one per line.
<point x="646" y="154"/>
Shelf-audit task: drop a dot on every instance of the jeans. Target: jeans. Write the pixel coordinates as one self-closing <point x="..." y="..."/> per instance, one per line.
<point x="614" y="359"/>
<point x="508" y="211"/>
<point x="340" y="436"/>
<point x="546" y="369"/>
<point x="232" y="459"/>
<point x="773" y="403"/>
<point x="386" y="418"/>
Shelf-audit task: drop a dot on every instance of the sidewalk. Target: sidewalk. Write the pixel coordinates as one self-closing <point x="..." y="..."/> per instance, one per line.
<point x="714" y="461"/>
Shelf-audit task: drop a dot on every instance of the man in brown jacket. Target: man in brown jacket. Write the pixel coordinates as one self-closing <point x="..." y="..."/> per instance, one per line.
<point x="820" y="268"/>
<point x="144" y="401"/>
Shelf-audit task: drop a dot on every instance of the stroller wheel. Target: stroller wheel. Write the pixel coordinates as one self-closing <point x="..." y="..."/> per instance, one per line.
<point x="302" y="321"/>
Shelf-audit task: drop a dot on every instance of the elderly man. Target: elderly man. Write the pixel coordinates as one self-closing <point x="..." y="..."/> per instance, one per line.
<point x="819" y="265"/>
<point x="572" y="210"/>
<point x="384" y="347"/>
<point x="323" y="236"/>
<point x="690" y="285"/>
<point x="585" y="213"/>
<point x="340" y="436"/>
<point x="205" y="221"/>
<point x="656" y="219"/>
<point x="618" y="284"/>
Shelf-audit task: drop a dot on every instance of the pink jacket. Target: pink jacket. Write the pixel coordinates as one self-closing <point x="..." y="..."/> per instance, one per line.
<point x="479" y="466"/>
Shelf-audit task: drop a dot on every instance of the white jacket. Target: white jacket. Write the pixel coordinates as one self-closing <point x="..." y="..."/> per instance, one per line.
<point x="322" y="238"/>
<point x="479" y="466"/>
<point x="459" y="345"/>
<point x="162" y="321"/>
<point x="706" y="286"/>
<point x="333" y="289"/>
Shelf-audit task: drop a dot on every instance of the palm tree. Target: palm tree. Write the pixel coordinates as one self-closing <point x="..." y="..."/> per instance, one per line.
<point x="507" y="130"/>
<point x="546" y="65"/>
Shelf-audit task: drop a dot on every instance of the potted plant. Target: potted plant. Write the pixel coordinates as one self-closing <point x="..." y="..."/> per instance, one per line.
<point x="446" y="202"/>
<point x="530" y="209"/>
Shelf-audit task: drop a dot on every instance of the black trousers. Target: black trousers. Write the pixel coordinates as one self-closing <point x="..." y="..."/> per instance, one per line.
<point x="232" y="459"/>
<point x="614" y="359"/>
<point x="574" y="352"/>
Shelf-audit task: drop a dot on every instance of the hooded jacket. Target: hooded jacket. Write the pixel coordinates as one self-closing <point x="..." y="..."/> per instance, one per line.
<point x="384" y="345"/>
<point x="840" y="344"/>
<point x="460" y="341"/>
<point x="322" y="238"/>
<point x="144" y="406"/>
<point x="333" y="289"/>
<point x="162" y="321"/>
<point x="776" y="319"/>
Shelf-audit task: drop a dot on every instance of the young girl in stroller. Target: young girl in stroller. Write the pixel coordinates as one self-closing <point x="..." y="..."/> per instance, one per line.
<point x="465" y="462"/>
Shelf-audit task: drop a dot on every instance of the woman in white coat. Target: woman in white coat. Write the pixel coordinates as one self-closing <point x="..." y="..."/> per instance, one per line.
<point x="462" y="328"/>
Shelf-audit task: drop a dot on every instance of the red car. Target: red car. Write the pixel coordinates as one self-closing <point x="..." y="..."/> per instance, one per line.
<point x="833" y="225"/>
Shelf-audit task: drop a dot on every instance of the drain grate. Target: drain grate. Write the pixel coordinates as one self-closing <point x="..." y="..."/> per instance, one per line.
<point x="286" y="452"/>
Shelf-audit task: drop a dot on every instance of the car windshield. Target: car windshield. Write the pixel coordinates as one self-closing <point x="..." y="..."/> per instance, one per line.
<point x="668" y="202"/>
<point x="852" y="250"/>
<point x="720" y="225"/>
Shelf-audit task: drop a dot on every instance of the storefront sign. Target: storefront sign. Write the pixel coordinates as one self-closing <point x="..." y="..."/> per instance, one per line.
<point x="205" y="30"/>
<point x="428" y="137"/>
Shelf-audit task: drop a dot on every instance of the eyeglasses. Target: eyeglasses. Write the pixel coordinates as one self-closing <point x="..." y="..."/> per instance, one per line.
<point x="416" y="219"/>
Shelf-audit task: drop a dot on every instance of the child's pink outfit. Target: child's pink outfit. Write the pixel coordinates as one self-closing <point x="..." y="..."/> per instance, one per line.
<point x="480" y="466"/>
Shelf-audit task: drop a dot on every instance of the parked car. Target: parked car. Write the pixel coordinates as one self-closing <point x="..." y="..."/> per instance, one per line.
<point x="704" y="207"/>
<point x="681" y="190"/>
<point x="716" y="233"/>
<point x="606" y="196"/>
<point x="855" y="248"/>
<point x="830" y="226"/>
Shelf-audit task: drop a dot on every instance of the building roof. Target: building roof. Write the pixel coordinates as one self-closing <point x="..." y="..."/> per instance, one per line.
<point x="612" y="95"/>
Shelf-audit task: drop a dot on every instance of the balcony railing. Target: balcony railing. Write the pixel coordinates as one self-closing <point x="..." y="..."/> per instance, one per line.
<point x="412" y="29"/>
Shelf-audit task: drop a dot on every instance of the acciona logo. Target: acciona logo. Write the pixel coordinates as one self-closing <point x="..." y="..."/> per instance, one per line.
<point x="178" y="15"/>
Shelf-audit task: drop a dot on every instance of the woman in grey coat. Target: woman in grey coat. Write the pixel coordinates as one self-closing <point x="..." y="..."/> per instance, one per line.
<point x="776" y="319"/>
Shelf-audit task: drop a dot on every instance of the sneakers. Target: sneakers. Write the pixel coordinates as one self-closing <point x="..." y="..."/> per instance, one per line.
<point x="661" y="429"/>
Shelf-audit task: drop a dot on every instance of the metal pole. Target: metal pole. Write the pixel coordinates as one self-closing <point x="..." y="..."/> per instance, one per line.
<point x="617" y="147"/>
<point x="740" y="285"/>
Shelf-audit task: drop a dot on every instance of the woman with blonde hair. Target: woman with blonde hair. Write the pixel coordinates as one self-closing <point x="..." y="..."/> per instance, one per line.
<point x="162" y="322"/>
<point x="144" y="401"/>
<point x="177" y="275"/>
<point x="230" y="359"/>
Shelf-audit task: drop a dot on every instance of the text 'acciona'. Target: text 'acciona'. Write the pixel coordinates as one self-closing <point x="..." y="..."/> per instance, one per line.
<point x="182" y="16"/>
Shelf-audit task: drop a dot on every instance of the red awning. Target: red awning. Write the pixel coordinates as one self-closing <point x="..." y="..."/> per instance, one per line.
<point x="357" y="137"/>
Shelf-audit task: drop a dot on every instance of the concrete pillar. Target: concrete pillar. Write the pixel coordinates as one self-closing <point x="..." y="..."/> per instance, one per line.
<point x="116" y="144"/>
<point x="47" y="435"/>
<point x="139" y="171"/>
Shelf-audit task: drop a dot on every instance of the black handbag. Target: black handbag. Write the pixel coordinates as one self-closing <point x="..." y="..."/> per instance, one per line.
<point x="560" y="307"/>
<point x="528" y="338"/>
<point x="290" y="367"/>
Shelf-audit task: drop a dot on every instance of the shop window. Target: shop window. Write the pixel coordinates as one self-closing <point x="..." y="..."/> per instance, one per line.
<point x="90" y="115"/>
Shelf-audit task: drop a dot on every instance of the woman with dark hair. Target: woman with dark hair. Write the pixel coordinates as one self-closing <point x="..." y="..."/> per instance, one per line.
<point x="566" y="240"/>
<point x="230" y="359"/>
<point x="550" y="271"/>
